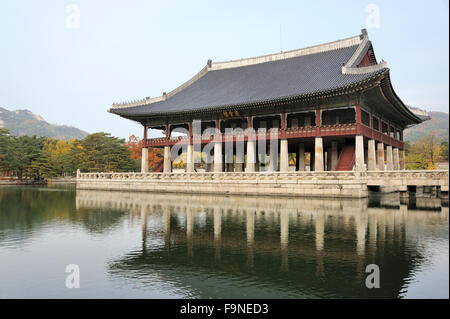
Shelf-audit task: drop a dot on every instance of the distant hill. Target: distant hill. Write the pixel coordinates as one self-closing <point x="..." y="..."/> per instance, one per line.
<point x="438" y="124"/>
<point x="24" y="122"/>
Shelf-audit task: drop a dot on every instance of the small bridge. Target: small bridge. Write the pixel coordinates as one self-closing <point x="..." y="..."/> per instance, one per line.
<point x="407" y="178"/>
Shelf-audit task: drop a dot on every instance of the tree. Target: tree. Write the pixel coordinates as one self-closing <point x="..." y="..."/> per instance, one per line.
<point x="22" y="152"/>
<point x="100" y="152"/>
<point x="444" y="151"/>
<point x="5" y="140"/>
<point x="42" y="167"/>
<point x="155" y="155"/>
<point x="424" y="154"/>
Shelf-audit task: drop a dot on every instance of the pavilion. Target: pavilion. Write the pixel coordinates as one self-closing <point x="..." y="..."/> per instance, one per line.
<point x="333" y="101"/>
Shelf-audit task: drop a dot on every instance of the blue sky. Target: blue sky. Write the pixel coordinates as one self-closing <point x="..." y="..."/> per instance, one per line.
<point x="126" y="50"/>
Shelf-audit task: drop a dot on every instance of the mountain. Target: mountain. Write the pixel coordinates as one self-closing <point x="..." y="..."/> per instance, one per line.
<point x="24" y="122"/>
<point x="438" y="124"/>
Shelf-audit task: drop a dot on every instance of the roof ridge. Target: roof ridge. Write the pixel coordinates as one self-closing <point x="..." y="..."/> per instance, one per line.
<point x="319" y="48"/>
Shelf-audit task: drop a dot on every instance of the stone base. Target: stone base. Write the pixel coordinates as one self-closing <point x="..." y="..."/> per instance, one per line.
<point x="351" y="184"/>
<point x="239" y="184"/>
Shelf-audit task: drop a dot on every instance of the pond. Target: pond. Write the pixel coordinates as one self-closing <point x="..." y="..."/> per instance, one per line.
<point x="145" y="245"/>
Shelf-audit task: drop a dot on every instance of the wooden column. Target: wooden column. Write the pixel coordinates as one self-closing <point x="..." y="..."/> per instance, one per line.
<point x="318" y="122"/>
<point x="283" y="125"/>
<point x="145" y="135"/>
<point x="358" y="119"/>
<point x="167" y="133"/>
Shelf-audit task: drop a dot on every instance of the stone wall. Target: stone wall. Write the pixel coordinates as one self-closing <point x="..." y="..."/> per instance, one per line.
<point x="322" y="184"/>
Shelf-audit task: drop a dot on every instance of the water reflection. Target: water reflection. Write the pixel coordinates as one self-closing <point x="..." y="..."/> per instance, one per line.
<point x="173" y="245"/>
<point x="268" y="247"/>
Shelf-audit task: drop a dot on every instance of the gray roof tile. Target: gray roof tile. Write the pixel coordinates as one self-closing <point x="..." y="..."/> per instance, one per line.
<point x="258" y="82"/>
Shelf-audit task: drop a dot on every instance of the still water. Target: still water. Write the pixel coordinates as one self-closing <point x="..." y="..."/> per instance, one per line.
<point x="142" y="245"/>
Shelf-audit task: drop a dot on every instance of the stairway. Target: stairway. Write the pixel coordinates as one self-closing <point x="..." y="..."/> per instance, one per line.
<point x="347" y="159"/>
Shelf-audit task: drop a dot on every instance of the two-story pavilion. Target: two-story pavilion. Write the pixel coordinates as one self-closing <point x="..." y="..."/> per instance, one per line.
<point x="334" y="101"/>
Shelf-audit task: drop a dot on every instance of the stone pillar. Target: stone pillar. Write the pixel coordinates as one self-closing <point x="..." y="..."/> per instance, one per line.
<point x="371" y="156"/>
<point x="229" y="156"/>
<point x="273" y="151"/>
<point x="380" y="156"/>
<point x="190" y="158"/>
<point x="359" y="152"/>
<point x="218" y="167"/>
<point x="318" y="156"/>
<point x="389" y="158"/>
<point x="328" y="159"/>
<point x="284" y="156"/>
<point x="301" y="157"/>
<point x="229" y="161"/>
<point x="401" y="159"/>
<point x="240" y="159"/>
<point x="334" y="155"/>
<point x="167" y="160"/>
<point x="273" y="160"/>
<point x="144" y="160"/>
<point x="208" y="163"/>
<point x="395" y="159"/>
<point x="251" y="156"/>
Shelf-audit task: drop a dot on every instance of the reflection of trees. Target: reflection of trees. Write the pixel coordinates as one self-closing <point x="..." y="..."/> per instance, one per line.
<point x="23" y="210"/>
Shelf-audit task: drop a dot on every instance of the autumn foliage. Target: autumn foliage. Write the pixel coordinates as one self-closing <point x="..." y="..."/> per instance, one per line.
<point x="155" y="155"/>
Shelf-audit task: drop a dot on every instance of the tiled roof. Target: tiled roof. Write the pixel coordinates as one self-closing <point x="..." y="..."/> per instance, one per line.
<point x="261" y="79"/>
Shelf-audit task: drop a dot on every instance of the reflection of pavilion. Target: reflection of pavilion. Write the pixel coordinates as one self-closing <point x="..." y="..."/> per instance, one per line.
<point x="301" y="247"/>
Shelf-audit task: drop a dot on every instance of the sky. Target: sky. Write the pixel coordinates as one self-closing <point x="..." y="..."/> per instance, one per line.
<point x="68" y="61"/>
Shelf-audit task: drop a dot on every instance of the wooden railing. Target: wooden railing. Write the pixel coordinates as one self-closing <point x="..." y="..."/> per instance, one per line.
<point x="290" y="133"/>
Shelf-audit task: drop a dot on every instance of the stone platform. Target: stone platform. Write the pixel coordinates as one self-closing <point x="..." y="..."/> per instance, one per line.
<point x="347" y="184"/>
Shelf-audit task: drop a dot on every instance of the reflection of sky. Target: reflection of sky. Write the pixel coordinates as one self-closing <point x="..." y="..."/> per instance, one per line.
<point x="435" y="265"/>
<point x="38" y="270"/>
